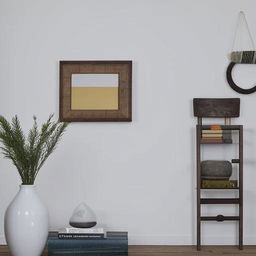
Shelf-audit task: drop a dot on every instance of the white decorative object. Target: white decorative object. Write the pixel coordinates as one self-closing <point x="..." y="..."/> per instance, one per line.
<point x="26" y="223"/>
<point x="83" y="217"/>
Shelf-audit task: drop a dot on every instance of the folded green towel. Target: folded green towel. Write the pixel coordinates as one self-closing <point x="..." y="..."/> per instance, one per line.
<point x="247" y="57"/>
<point x="219" y="184"/>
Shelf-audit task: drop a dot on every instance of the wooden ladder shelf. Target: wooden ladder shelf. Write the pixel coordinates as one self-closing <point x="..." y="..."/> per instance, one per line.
<point x="218" y="108"/>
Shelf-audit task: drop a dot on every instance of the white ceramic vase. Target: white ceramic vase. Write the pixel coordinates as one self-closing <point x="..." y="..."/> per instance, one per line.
<point x="26" y="223"/>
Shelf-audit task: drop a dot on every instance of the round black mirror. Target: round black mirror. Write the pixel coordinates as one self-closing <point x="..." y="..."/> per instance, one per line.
<point x="233" y="84"/>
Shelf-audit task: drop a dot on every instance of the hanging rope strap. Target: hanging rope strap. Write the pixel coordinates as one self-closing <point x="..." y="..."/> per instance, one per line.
<point x="247" y="57"/>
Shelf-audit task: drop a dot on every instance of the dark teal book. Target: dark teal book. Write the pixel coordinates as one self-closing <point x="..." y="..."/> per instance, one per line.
<point x="96" y="244"/>
<point x="84" y="253"/>
<point x="102" y="246"/>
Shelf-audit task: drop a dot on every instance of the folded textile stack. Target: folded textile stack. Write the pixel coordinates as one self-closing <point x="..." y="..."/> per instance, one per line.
<point x="219" y="184"/>
<point x="216" y="174"/>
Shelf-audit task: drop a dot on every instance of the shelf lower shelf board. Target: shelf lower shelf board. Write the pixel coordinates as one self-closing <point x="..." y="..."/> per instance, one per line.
<point x="219" y="201"/>
<point x="237" y="188"/>
<point x="215" y="142"/>
<point x="219" y="218"/>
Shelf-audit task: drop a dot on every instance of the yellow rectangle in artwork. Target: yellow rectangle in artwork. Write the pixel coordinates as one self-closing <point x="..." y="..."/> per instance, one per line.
<point x="94" y="98"/>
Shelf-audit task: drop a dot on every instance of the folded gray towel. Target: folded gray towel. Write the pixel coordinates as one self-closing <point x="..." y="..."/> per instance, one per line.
<point x="216" y="170"/>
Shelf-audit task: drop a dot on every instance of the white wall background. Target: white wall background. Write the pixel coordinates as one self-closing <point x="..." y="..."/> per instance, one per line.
<point x="137" y="176"/>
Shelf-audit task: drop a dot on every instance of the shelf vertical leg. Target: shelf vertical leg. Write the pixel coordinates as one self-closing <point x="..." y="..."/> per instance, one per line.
<point x="241" y="188"/>
<point x="198" y="185"/>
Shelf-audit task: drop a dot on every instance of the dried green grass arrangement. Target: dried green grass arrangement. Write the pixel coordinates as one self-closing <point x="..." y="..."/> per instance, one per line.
<point x="29" y="153"/>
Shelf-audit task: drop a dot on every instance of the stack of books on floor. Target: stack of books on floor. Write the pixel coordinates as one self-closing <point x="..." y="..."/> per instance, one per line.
<point x="87" y="241"/>
<point x="216" y="134"/>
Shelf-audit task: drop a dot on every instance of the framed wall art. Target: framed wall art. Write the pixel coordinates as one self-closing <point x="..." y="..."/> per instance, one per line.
<point x="95" y="91"/>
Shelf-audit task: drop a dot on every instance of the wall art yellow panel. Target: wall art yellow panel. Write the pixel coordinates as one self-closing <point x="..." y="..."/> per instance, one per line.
<point x="94" y="92"/>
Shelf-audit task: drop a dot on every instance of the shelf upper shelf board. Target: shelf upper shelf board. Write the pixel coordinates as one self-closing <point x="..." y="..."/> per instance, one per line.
<point x="223" y="127"/>
<point x="236" y="188"/>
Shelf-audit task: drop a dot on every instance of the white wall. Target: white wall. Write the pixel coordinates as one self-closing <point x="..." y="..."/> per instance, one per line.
<point x="137" y="176"/>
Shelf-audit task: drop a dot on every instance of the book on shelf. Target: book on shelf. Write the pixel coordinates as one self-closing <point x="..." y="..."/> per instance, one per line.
<point x="212" y="138"/>
<point x="212" y="131"/>
<point x="215" y="140"/>
<point x="81" y="233"/>
<point x="219" y="184"/>
<point x="217" y="134"/>
<point x="82" y="230"/>
<point x="82" y="252"/>
<point x="80" y="236"/>
<point x="212" y="135"/>
<point x="208" y="140"/>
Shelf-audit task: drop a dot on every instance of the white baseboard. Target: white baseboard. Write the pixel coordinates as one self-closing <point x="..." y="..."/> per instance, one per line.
<point x="2" y="240"/>
<point x="187" y="240"/>
<point x="174" y="240"/>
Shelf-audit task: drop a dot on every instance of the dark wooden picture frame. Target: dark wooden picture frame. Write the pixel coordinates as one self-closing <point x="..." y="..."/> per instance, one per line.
<point x="124" y="71"/>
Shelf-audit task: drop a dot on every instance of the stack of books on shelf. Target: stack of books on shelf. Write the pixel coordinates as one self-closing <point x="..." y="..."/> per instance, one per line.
<point x="87" y="241"/>
<point x="216" y="135"/>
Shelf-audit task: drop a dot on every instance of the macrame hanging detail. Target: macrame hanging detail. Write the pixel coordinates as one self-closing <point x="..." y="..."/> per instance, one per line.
<point x="243" y="52"/>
